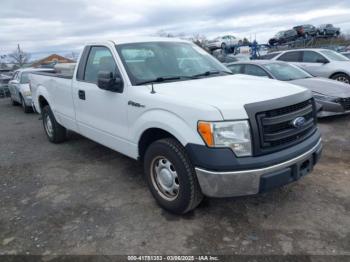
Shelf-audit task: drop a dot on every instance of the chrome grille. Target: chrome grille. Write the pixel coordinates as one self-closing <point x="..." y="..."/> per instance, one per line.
<point x="276" y="128"/>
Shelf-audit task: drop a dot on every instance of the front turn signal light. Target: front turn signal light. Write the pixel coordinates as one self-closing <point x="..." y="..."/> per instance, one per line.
<point x="206" y="132"/>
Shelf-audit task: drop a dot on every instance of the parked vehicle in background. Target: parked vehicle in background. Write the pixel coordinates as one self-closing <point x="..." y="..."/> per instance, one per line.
<point x="305" y="30"/>
<point x="328" y="30"/>
<point x="4" y="90"/>
<point x="197" y="128"/>
<point x="20" y="90"/>
<point x="333" y="96"/>
<point x="268" y="56"/>
<point x="319" y="62"/>
<point x="224" y="42"/>
<point x="223" y="57"/>
<point x="347" y="54"/>
<point x="283" y="37"/>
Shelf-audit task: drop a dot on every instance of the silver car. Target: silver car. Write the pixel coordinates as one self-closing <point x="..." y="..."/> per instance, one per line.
<point x="333" y="96"/>
<point x="223" y="42"/>
<point x="20" y="90"/>
<point x="319" y="62"/>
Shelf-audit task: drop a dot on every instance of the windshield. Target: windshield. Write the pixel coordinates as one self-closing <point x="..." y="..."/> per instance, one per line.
<point x="286" y="72"/>
<point x="334" y="56"/>
<point x="147" y="61"/>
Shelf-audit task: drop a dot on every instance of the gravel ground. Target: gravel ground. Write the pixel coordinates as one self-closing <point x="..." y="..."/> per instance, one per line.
<point x="82" y="198"/>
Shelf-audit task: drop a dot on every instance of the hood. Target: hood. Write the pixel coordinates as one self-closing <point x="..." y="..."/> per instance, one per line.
<point x="228" y="93"/>
<point x="324" y="86"/>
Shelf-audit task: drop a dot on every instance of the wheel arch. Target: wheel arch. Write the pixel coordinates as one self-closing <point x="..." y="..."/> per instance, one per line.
<point x="42" y="102"/>
<point x="158" y="124"/>
<point x="338" y="72"/>
<point x="151" y="135"/>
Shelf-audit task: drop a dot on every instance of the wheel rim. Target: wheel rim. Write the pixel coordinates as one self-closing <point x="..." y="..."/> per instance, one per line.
<point x="343" y="79"/>
<point x="164" y="178"/>
<point x="48" y="125"/>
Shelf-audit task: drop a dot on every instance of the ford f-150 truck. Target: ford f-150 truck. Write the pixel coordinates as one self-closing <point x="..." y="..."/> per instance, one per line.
<point x="199" y="130"/>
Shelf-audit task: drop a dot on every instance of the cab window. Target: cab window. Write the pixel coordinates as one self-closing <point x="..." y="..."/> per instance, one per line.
<point x="312" y="57"/>
<point x="100" y="59"/>
<point x="236" y="69"/>
<point x="294" y="56"/>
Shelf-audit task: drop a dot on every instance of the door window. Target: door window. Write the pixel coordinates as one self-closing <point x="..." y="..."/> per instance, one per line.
<point x="294" y="56"/>
<point x="254" y="70"/>
<point x="100" y="59"/>
<point x="312" y="57"/>
<point x="236" y="69"/>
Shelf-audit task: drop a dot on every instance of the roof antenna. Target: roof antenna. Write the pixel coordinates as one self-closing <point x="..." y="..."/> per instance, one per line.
<point x="152" y="91"/>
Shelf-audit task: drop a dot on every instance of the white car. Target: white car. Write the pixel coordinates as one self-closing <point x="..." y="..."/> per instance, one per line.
<point x="223" y="42"/>
<point x="19" y="87"/>
<point x="319" y="62"/>
<point x="198" y="129"/>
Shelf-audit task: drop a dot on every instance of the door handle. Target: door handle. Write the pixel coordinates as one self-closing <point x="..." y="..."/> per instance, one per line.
<point x="81" y="94"/>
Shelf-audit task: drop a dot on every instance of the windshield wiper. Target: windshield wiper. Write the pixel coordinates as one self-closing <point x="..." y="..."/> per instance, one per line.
<point x="159" y="80"/>
<point x="208" y="73"/>
<point x="170" y="78"/>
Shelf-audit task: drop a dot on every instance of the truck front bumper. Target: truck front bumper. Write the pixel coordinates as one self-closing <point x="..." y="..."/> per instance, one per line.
<point x="254" y="181"/>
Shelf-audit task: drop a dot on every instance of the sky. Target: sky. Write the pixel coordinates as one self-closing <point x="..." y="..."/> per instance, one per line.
<point x="61" y="26"/>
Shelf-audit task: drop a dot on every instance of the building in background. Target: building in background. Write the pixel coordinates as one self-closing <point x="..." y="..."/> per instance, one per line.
<point x="51" y="60"/>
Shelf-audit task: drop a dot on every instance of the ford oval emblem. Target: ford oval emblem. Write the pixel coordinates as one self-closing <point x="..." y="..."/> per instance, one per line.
<point x="299" y="122"/>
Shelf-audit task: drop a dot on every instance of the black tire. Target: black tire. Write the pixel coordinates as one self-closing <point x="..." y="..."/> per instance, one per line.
<point x="26" y="109"/>
<point x="13" y="102"/>
<point x="58" y="133"/>
<point x="341" y="77"/>
<point x="188" y="194"/>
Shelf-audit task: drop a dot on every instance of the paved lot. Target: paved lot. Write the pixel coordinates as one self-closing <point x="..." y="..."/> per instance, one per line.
<point x="82" y="198"/>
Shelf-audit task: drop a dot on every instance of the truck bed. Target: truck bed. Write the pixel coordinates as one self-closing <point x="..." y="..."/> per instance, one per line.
<point x="53" y="74"/>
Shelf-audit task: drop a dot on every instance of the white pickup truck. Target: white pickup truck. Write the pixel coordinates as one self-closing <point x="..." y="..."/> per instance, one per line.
<point x="198" y="129"/>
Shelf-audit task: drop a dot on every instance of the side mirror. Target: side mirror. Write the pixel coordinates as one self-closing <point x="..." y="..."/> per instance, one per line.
<point x="322" y="61"/>
<point x="107" y="81"/>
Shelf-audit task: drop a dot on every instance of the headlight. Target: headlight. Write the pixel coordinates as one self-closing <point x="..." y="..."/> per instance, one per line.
<point x="235" y="135"/>
<point x="26" y="93"/>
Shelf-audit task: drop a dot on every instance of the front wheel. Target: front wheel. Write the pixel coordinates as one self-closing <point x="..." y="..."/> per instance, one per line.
<point x="341" y="78"/>
<point x="54" y="131"/>
<point x="171" y="176"/>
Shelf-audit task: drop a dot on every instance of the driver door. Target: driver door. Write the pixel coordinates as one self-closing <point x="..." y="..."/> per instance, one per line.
<point x="101" y="115"/>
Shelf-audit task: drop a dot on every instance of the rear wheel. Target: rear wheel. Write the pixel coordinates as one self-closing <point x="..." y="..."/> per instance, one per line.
<point x="26" y="109"/>
<point x="54" y="131"/>
<point x="341" y="77"/>
<point x="13" y="102"/>
<point x="171" y="176"/>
